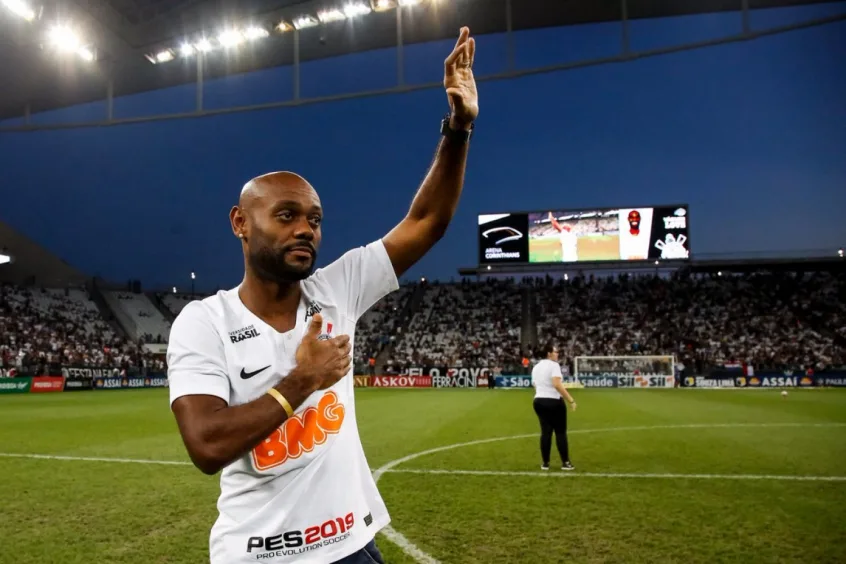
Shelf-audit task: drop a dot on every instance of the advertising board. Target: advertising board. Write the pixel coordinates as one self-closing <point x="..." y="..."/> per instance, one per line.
<point x="452" y="377"/>
<point x="513" y="382"/>
<point x="645" y="381"/>
<point x="44" y="384"/>
<point x="401" y="381"/>
<point x="118" y="383"/>
<point x="15" y="385"/>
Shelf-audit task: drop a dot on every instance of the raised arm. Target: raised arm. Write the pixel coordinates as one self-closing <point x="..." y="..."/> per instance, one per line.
<point x="434" y="204"/>
<point x="555" y="223"/>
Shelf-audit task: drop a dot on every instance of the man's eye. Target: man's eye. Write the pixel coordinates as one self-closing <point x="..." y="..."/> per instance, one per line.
<point x="316" y="220"/>
<point x="285" y="214"/>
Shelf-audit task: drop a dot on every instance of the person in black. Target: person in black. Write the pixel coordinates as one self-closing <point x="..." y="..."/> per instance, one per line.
<point x="549" y="407"/>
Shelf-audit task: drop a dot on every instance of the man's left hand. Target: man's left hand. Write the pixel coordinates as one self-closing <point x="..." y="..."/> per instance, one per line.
<point x="459" y="82"/>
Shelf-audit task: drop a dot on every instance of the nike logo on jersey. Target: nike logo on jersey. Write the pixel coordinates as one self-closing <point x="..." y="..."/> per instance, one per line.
<point x="247" y="375"/>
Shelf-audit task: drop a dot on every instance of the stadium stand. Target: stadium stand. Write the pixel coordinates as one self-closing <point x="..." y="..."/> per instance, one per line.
<point x="62" y="327"/>
<point x="175" y="302"/>
<point x="380" y="326"/>
<point x="768" y="321"/>
<point x="771" y="321"/>
<point x="465" y="324"/>
<point x="142" y="320"/>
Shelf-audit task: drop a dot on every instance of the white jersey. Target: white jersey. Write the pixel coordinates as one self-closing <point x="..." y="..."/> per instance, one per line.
<point x="542" y="375"/>
<point x="569" y="246"/>
<point x="306" y="493"/>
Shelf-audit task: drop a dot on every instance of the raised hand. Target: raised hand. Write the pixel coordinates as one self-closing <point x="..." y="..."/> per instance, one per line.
<point x="325" y="361"/>
<point x="459" y="82"/>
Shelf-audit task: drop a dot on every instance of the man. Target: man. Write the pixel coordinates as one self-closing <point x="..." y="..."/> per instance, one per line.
<point x="257" y="373"/>
<point x="569" y="240"/>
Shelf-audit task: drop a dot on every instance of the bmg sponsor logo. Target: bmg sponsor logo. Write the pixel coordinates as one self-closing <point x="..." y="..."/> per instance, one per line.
<point x="300" y="541"/>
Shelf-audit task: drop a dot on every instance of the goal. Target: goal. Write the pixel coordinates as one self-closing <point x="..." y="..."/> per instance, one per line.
<point x="626" y="371"/>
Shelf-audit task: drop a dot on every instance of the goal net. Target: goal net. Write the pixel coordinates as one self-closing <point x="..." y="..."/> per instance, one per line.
<point x="625" y="371"/>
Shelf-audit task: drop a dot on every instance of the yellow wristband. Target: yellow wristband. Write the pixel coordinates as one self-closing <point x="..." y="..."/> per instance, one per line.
<point x="282" y="401"/>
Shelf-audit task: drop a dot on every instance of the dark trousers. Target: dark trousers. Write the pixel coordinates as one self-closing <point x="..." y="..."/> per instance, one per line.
<point x="552" y="415"/>
<point x="367" y="555"/>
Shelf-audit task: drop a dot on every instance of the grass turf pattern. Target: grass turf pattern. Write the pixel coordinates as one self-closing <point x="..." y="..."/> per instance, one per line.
<point x="73" y="511"/>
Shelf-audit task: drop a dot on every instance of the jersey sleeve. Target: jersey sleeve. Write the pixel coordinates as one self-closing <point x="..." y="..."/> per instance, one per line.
<point x="555" y="371"/>
<point x="361" y="277"/>
<point x="196" y="363"/>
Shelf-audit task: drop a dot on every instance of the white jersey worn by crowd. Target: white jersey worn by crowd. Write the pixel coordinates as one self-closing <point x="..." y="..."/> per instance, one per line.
<point x="306" y="493"/>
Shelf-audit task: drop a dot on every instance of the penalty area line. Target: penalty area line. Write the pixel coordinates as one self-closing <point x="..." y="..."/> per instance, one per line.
<point x="649" y="476"/>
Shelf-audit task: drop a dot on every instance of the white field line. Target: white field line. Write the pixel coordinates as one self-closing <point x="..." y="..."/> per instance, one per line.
<point x="420" y="556"/>
<point x="423" y="558"/>
<point x="577" y="474"/>
<point x="94" y="459"/>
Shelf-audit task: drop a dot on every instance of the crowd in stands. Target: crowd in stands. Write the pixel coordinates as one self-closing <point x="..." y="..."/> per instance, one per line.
<point x="768" y="321"/>
<point x="43" y="329"/>
<point x="465" y="325"/>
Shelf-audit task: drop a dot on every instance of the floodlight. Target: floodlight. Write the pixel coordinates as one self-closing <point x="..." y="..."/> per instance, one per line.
<point x="63" y="38"/>
<point x="408" y="2"/>
<point x="354" y="9"/>
<point x="333" y="15"/>
<point x="305" y="21"/>
<point x="20" y="8"/>
<point x="186" y="50"/>
<point x="204" y="45"/>
<point x="160" y="57"/>
<point x="284" y="26"/>
<point x="230" y="38"/>
<point x="86" y="53"/>
<point x="255" y="32"/>
<point x="382" y="5"/>
<point x="5" y="259"/>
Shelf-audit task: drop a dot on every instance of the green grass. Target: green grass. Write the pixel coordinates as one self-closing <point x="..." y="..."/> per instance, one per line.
<point x="87" y="511"/>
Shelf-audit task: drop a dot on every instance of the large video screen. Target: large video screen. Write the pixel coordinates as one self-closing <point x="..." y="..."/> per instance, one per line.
<point x="602" y="234"/>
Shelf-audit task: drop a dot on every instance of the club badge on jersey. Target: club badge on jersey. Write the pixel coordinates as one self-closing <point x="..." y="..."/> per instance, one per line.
<point x="327" y="335"/>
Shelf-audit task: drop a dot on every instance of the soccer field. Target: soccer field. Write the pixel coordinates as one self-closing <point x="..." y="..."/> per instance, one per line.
<point x="661" y="476"/>
<point x="589" y="248"/>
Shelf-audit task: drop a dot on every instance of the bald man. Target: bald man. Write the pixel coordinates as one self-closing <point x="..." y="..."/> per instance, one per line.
<point x="261" y="375"/>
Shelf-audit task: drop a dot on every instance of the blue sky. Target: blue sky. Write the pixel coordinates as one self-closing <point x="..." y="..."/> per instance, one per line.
<point x="752" y="135"/>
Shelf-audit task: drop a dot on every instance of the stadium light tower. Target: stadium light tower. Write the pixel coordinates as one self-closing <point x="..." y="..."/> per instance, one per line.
<point x="193" y="277"/>
<point x="840" y="253"/>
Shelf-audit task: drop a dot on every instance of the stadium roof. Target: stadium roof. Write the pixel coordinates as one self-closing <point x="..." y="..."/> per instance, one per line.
<point x="118" y="34"/>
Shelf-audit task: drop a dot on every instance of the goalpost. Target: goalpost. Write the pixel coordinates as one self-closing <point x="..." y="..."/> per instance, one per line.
<point x="657" y="371"/>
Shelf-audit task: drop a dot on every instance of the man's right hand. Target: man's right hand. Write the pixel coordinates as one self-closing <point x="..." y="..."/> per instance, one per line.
<point x="323" y="362"/>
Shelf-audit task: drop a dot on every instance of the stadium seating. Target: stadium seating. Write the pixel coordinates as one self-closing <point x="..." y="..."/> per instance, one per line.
<point x="769" y="321"/>
<point x="378" y="326"/>
<point x="464" y="324"/>
<point x="41" y="327"/>
<point x="146" y="322"/>
<point x="765" y="320"/>
<point x="175" y="302"/>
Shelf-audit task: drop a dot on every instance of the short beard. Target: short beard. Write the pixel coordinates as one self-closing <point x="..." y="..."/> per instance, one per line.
<point x="269" y="264"/>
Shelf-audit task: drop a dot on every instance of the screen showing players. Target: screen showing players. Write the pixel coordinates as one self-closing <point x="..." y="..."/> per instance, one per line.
<point x="609" y="234"/>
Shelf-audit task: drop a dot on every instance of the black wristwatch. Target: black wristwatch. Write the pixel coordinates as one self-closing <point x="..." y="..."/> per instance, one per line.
<point x="460" y="136"/>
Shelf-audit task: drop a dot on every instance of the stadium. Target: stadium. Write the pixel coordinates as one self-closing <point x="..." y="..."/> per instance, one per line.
<point x="703" y="333"/>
